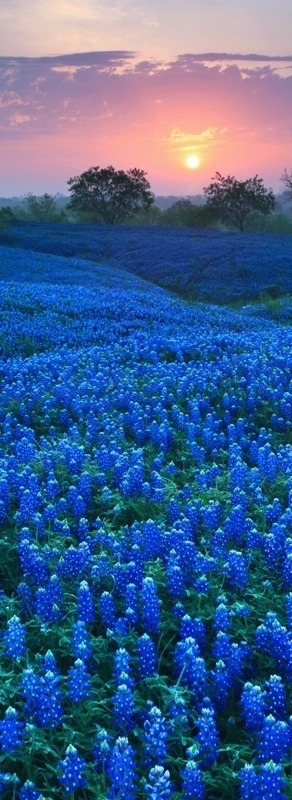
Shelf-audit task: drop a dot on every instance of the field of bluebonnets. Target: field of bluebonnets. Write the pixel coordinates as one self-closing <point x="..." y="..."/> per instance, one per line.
<point x="146" y="539"/>
<point x="207" y="265"/>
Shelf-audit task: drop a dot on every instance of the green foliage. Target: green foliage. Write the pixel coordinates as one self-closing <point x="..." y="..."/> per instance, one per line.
<point x="149" y="216"/>
<point x="234" y="200"/>
<point x="6" y="216"/>
<point x="184" y="214"/>
<point x="275" y="223"/>
<point x="41" y="209"/>
<point x="109" y="195"/>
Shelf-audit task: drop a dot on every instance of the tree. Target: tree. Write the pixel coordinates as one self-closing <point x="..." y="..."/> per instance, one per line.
<point x="233" y="200"/>
<point x="6" y="216"/>
<point x="110" y="195"/>
<point x="286" y="179"/>
<point x="184" y="213"/>
<point x="41" y="209"/>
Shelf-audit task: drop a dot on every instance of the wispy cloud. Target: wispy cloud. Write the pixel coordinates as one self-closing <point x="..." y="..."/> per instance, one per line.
<point x="111" y="107"/>
<point x="180" y="141"/>
<point x="19" y="119"/>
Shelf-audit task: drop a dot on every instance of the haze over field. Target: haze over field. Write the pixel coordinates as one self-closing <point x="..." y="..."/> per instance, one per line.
<point x="180" y="92"/>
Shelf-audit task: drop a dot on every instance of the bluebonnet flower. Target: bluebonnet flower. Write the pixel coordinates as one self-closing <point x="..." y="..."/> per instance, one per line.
<point x="74" y="562"/>
<point x="9" y="779"/>
<point x="178" y="715"/>
<point x="147" y="658"/>
<point x="28" y="505"/>
<point x="72" y="768"/>
<point x="211" y="515"/>
<point x="273" y="510"/>
<point x="187" y="556"/>
<point x="85" y="607"/>
<point x="78" y="682"/>
<point x="101" y="749"/>
<point x="194" y="628"/>
<point x="289" y="609"/>
<point x="190" y="666"/>
<point x="107" y="610"/>
<point x="236" y="526"/>
<point x="123" y="709"/>
<point x="271" y="782"/>
<point x="274" y="740"/>
<point x="276" y="696"/>
<point x="159" y="786"/>
<point x="11" y="731"/>
<point x="207" y="737"/>
<point x="249" y="783"/>
<point x="151" y="540"/>
<point x="273" y="639"/>
<point x="253" y="704"/>
<point x="202" y="585"/>
<point x="30" y="560"/>
<point x="50" y="663"/>
<point x="267" y="463"/>
<point x="221" y="618"/>
<point x="240" y="656"/>
<point x="221" y="684"/>
<point x="155" y="733"/>
<point x="14" y="638"/>
<point x="222" y="647"/>
<point x="45" y="606"/>
<point x="28" y="791"/>
<point x="131" y="603"/>
<point x="48" y="710"/>
<point x="150" y="611"/>
<point x="174" y="577"/>
<point x="122" y="667"/>
<point x="122" y="771"/>
<point x="272" y="552"/>
<point x="81" y="646"/>
<point x="26" y="597"/>
<point x="237" y="570"/>
<point x="192" y="782"/>
<point x="173" y="509"/>
<point x="287" y="570"/>
<point x="31" y="689"/>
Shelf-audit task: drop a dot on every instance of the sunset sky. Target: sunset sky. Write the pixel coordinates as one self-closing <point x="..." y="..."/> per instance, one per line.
<point x="169" y="87"/>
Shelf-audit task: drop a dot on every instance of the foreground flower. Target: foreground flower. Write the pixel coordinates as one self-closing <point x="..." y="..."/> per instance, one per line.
<point x="71" y="770"/>
<point x="121" y="770"/>
<point x="159" y="786"/>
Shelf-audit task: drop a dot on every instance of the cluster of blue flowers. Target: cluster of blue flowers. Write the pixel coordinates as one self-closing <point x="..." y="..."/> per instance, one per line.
<point x="146" y="546"/>
<point x="212" y="265"/>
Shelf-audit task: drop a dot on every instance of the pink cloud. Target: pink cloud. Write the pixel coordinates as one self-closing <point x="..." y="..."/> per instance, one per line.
<point x="98" y="108"/>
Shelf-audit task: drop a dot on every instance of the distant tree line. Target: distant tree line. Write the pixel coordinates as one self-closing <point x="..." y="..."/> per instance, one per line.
<point x="110" y="196"/>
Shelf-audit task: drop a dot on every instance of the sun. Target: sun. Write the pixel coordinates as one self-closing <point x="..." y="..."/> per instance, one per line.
<point x="193" y="162"/>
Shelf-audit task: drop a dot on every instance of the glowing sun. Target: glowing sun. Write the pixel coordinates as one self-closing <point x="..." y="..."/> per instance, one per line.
<point x="193" y="162"/>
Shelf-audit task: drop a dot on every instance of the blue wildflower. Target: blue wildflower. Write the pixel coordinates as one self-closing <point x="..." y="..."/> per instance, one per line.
<point x="72" y="768"/>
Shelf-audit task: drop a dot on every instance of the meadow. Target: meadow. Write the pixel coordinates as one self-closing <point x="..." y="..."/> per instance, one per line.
<point x="146" y="519"/>
<point x="206" y="265"/>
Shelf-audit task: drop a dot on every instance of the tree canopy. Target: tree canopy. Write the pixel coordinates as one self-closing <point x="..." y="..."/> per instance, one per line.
<point x="110" y="195"/>
<point x="286" y="179"/>
<point x="233" y="200"/>
<point x="41" y="209"/>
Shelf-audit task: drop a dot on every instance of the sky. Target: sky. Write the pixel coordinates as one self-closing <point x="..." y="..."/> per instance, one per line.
<point x="147" y="84"/>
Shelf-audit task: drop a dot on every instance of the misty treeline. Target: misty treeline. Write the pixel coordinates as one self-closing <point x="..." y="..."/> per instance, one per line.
<point x="190" y="212"/>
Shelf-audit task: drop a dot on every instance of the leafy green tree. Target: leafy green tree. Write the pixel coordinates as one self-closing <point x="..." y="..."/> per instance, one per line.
<point x="109" y="195"/>
<point x="41" y="209"/>
<point x="234" y="200"/>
